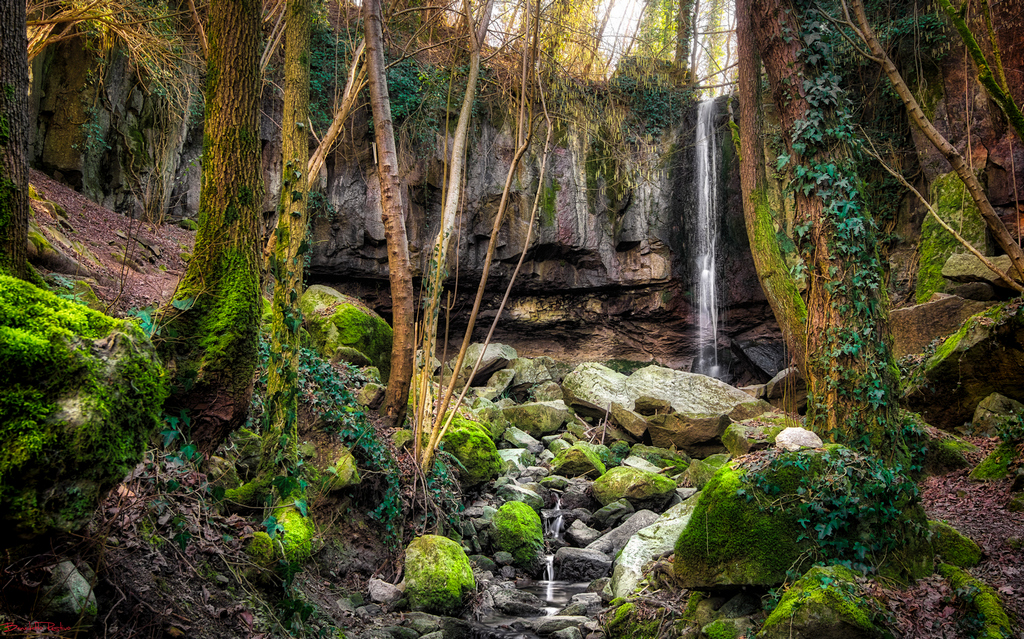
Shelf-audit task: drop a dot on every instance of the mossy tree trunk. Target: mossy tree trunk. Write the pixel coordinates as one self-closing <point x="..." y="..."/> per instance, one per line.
<point x="14" y="212"/>
<point x="772" y="272"/>
<point x="403" y="344"/>
<point x="280" y="441"/>
<point x="848" y="364"/>
<point x="210" y="327"/>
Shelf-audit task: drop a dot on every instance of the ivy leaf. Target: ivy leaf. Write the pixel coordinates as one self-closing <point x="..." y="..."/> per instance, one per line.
<point x="185" y="304"/>
<point x="783" y="160"/>
<point x="300" y="504"/>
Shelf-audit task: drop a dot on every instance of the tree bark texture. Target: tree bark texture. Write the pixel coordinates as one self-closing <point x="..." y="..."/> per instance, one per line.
<point x="14" y="211"/>
<point x="848" y="363"/>
<point x="210" y="327"/>
<point x="403" y="345"/>
<point x="281" y="440"/>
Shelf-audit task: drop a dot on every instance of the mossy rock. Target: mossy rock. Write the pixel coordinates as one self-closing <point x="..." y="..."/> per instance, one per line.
<point x="953" y="546"/>
<point x="754" y="434"/>
<point x="518" y="530"/>
<point x="642" y="489"/>
<point x="996" y="465"/>
<point x="700" y="471"/>
<point x="825" y="603"/>
<point x="337" y="321"/>
<point x="955" y="206"/>
<point x="946" y="454"/>
<point x="628" y="621"/>
<point x="82" y="395"/>
<point x="296" y="534"/>
<point x="675" y="460"/>
<point x="739" y="535"/>
<point x="261" y="549"/>
<point x="995" y="624"/>
<point x="438" y="575"/>
<point x="472" y="445"/>
<point x="579" y="459"/>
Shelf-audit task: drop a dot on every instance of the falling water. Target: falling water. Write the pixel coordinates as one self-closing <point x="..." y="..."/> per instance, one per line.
<point x="707" y="238"/>
<point x="554" y="521"/>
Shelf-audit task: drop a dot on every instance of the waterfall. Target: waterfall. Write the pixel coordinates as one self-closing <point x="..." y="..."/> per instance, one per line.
<point x="554" y="521"/>
<point x="707" y="238"/>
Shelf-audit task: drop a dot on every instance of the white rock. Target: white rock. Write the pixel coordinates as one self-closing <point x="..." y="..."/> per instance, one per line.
<point x="796" y="438"/>
<point x="383" y="592"/>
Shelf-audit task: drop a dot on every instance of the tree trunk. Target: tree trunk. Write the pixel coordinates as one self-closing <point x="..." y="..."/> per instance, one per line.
<point x="280" y="441"/>
<point x="393" y="214"/>
<point x="772" y="271"/>
<point x="14" y="212"/>
<point x="848" y="363"/>
<point x="210" y="326"/>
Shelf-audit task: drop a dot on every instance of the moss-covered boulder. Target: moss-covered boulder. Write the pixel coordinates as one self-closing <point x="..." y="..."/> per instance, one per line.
<point x="826" y="603"/>
<point x="755" y="434"/>
<point x="750" y="527"/>
<point x="673" y="460"/>
<point x="578" y="460"/>
<point x="953" y="546"/>
<point x="438" y="575"/>
<point x="955" y="207"/>
<point x="538" y="418"/>
<point x="518" y="530"/>
<point x="700" y="471"/>
<point x="471" y="443"/>
<point x="296" y="533"/>
<point x="642" y="489"/>
<point x="996" y="465"/>
<point x="337" y="322"/>
<point x="81" y="396"/>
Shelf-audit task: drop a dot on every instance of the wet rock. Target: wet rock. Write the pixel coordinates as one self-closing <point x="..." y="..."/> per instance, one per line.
<point x="613" y="541"/>
<point x="422" y="622"/>
<point x="513" y="492"/>
<point x="613" y="513"/>
<point x="581" y="535"/>
<point x="515" y="602"/>
<point x="646" y="545"/>
<point x="581" y="564"/>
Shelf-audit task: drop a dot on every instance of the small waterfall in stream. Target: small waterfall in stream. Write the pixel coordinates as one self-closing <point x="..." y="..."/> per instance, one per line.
<point x="554" y="520"/>
<point x="706" y="285"/>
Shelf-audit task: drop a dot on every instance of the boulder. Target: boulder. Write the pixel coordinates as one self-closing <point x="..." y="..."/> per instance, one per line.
<point x="490" y="414"/>
<point x="545" y="626"/>
<point x="825" y="603"/>
<point x="698" y="435"/>
<point x="67" y="597"/>
<point x="648" y="544"/>
<point x="521" y="439"/>
<point x="497" y="386"/>
<point x="914" y="327"/>
<point x="591" y="388"/>
<point x="518" y="530"/>
<point x="547" y="392"/>
<point x="954" y="205"/>
<point x="632" y="461"/>
<point x="966" y="267"/>
<point x="633" y="423"/>
<point x="755" y="434"/>
<point x="471" y="444"/>
<point x="996" y="464"/>
<point x="613" y="513"/>
<point x="382" y="592"/>
<point x="953" y="546"/>
<point x="734" y="537"/>
<point x="516" y="602"/>
<point x="641" y="488"/>
<point x="700" y="471"/>
<point x="341" y="470"/>
<point x="612" y="541"/>
<point x="985" y="356"/>
<point x="787" y="390"/>
<point x="335" y="321"/>
<point x="991" y="411"/>
<point x="517" y="493"/>
<point x="438" y="576"/>
<point x="529" y="372"/>
<point x="671" y="460"/>
<point x="538" y="418"/>
<point x="82" y="395"/>
<point x="516" y="458"/>
<point x="795" y="438"/>
<point x="692" y="394"/>
<point x="371" y="395"/>
<point x="581" y="535"/>
<point x="495" y="358"/>
<point x="581" y="564"/>
<point x="579" y="459"/>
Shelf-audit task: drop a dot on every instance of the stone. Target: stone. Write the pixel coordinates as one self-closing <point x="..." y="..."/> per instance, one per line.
<point x="521" y="439"/>
<point x="351" y="356"/>
<point x="382" y="592"/>
<point x="438" y="575"/>
<point x="727" y="627"/>
<point x="557" y="445"/>
<point x="672" y="461"/>
<point x="471" y="444"/>
<point x="581" y="564"/>
<point x="334" y="321"/>
<point x="612" y="541"/>
<point x="530" y="372"/>
<point x="545" y="626"/>
<point x="514" y="492"/>
<point x="787" y="391"/>
<point x="591" y="388"/>
<point x="83" y="394"/>
<point x="795" y="438"/>
<point x="371" y="395"/>
<point x="755" y="434"/>
<point x="648" y="544"/>
<point x="966" y="267"/>
<point x="518" y="530"/>
<point x="500" y="381"/>
<point x="495" y="358"/>
<point x="953" y="546"/>
<point x="996" y="464"/>
<point x="700" y="471"/>
<point x="698" y="435"/>
<point x="572" y="632"/>
<point x="221" y="472"/>
<point x="613" y="513"/>
<point x="517" y="458"/>
<point x="915" y="327"/>
<point x="548" y="392"/>
<point x="342" y="470"/>
<point x="488" y="413"/>
<point x="954" y="205"/>
<point x="985" y="356"/>
<point x="633" y="423"/>
<point x="825" y="603"/>
<point x="640" y="463"/>
<point x="579" y="459"/>
<point x="539" y="418"/>
<point x="518" y="603"/>
<point x="641" y="488"/>
<point x="504" y="558"/>
<point x="67" y="597"/>
<point x="991" y="411"/>
<point x="581" y="535"/>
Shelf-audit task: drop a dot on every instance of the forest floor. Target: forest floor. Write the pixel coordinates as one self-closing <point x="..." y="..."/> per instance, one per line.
<point x="170" y="563"/>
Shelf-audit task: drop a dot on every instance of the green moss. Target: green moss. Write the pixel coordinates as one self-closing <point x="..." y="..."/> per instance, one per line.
<point x="335" y="320"/>
<point x="297" y="534"/>
<point x="471" y="444"/>
<point x="579" y="459"/>
<point x="518" y="530"/>
<point x="828" y="595"/>
<point x="947" y="454"/>
<point x="721" y="629"/>
<point x="82" y="395"/>
<point x="994" y="622"/>
<point x="547" y="203"/>
<point x="953" y="546"/>
<point x="624" y="622"/>
<point x="261" y="549"/>
<point x="641" y="488"/>
<point x="954" y="205"/>
<point x="996" y="465"/>
<point x="438" y="575"/>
